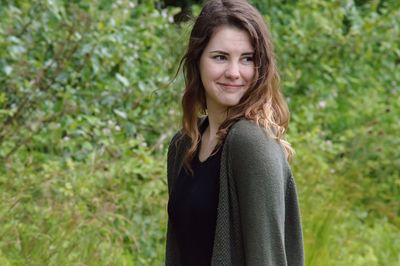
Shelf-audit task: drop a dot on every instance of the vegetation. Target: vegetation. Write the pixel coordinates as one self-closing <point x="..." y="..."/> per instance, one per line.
<point x="88" y="103"/>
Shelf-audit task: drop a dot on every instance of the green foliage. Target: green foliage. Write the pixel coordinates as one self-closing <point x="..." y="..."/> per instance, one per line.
<point x="339" y="65"/>
<point x="87" y="107"/>
<point x="69" y="68"/>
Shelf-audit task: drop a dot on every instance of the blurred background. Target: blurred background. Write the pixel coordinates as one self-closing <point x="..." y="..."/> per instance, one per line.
<point x="89" y="102"/>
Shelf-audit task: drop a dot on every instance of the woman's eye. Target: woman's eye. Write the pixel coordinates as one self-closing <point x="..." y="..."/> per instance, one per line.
<point x="219" y="57"/>
<point x="248" y="59"/>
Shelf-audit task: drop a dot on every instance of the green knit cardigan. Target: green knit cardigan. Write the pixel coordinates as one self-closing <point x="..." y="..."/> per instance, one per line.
<point x="258" y="218"/>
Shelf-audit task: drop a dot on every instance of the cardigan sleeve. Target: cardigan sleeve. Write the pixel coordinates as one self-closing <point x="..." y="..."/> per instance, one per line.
<point x="260" y="173"/>
<point x="171" y="160"/>
<point x="171" y="251"/>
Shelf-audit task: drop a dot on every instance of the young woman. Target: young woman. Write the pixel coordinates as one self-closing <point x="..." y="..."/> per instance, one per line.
<point x="232" y="197"/>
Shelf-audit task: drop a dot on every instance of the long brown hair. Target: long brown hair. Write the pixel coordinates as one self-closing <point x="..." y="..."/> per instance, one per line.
<point x="262" y="103"/>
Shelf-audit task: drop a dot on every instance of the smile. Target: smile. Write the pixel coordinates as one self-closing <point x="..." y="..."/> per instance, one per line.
<point x="228" y="86"/>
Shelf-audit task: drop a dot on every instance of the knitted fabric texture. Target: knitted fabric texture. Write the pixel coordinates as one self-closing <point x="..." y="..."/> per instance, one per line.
<point x="258" y="218"/>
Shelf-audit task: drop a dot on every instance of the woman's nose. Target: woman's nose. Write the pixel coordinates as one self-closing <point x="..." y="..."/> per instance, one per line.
<point x="232" y="71"/>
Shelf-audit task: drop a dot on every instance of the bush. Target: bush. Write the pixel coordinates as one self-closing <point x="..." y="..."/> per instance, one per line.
<point x="87" y="107"/>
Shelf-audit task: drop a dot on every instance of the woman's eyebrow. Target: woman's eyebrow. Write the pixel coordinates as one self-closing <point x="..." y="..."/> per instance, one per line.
<point x="225" y="53"/>
<point x="219" y="52"/>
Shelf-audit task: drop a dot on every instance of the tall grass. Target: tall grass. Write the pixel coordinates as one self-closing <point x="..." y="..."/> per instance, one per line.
<point x="72" y="214"/>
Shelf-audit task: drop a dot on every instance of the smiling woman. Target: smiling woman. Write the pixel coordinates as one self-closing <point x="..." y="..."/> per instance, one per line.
<point x="232" y="196"/>
<point x="226" y="68"/>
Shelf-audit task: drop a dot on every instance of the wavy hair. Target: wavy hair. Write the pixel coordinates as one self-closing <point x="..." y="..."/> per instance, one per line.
<point x="262" y="103"/>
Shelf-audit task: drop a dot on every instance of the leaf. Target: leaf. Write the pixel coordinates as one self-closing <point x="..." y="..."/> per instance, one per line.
<point x="122" y="79"/>
<point x="120" y="113"/>
<point x="8" y="70"/>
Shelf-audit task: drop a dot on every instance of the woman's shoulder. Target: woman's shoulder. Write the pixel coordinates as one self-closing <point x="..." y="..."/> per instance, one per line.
<point x="175" y="138"/>
<point x="248" y="133"/>
<point x="180" y="136"/>
<point x="247" y="139"/>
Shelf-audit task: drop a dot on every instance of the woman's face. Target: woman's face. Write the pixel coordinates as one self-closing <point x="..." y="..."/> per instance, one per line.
<point x="226" y="67"/>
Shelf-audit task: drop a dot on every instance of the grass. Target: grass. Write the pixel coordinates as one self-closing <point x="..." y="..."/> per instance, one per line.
<point x="51" y="215"/>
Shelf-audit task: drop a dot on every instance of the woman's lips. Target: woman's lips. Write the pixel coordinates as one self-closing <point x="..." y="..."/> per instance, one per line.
<point x="230" y="87"/>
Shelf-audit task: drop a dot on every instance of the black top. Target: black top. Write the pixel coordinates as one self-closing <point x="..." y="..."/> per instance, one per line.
<point x="192" y="210"/>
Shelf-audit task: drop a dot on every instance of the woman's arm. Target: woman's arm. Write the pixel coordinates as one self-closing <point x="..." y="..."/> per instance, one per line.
<point x="260" y="172"/>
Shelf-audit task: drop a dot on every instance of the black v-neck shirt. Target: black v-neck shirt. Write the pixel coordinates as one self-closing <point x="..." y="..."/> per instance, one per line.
<point x="192" y="210"/>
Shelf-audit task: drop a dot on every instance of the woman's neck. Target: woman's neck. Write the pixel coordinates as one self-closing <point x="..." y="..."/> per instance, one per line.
<point x="216" y="117"/>
<point x="209" y="139"/>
